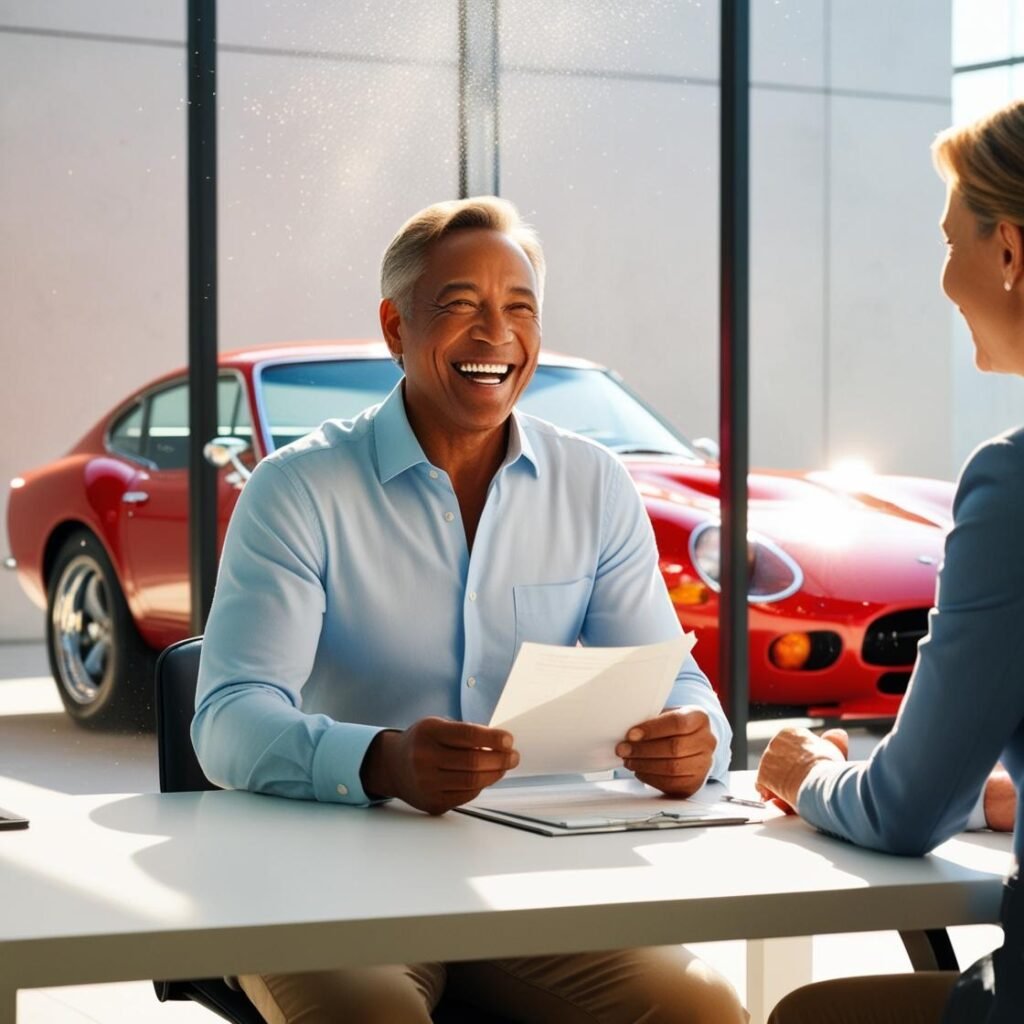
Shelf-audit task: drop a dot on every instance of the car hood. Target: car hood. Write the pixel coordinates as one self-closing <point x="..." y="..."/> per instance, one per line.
<point x="873" y="538"/>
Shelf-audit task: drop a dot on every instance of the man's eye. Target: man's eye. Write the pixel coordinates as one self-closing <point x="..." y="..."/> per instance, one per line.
<point x="460" y="304"/>
<point x="522" y="309"/>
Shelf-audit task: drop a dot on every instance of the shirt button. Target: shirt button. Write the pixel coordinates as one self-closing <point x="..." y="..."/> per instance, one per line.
<point x="342" y="789"/>
<point x="448" y="517"/>
<point x="471" y="681"/>
<point x="472" y="595"/>
<point x="433" y="474"/>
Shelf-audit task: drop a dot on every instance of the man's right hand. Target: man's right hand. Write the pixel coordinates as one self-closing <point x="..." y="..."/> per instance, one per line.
<point x="437" y="764"/>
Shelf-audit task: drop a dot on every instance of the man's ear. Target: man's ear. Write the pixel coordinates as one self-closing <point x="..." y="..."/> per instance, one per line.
<point x="1011" y="241"/>
<point x="391" y="327"/>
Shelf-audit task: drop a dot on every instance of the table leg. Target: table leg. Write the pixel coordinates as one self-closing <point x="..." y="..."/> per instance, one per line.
<point x="774" y="968"/>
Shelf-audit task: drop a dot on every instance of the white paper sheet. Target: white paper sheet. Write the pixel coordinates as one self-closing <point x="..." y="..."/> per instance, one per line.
<point x="567" y="707"/>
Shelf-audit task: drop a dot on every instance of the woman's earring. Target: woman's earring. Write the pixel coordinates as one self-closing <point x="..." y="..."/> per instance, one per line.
<point x="1007" y="286"/>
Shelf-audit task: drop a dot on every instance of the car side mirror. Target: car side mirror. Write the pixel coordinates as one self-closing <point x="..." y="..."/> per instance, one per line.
<point x="706" y="446"/>
<point x="224" y="451"/>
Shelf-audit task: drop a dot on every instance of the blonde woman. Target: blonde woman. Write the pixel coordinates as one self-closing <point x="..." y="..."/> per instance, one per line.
<point x="964" y="711"/>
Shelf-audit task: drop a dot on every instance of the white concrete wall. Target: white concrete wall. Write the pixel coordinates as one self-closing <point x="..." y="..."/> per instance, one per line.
<point x="609" y="143"/>
<point x="338" y="120"/>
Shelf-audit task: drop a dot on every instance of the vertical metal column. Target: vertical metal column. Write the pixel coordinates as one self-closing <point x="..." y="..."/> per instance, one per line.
<point x="202" y="302"/>
<point x="734" y="385"/>
<point x="478" y="98"/>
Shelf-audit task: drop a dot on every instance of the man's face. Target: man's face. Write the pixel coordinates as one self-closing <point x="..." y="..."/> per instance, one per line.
<point x="470" y="342"/>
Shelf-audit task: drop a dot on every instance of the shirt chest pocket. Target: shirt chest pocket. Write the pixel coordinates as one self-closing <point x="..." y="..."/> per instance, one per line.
<point x="551" y="613"/>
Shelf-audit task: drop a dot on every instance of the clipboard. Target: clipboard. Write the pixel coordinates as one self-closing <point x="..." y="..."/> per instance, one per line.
<point x="11" y="821"/>
<point x="616" y="805"/>
<point x="591" y="824"/>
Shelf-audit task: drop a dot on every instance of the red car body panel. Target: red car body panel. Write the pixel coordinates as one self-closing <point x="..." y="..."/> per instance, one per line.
<point x="864" y="553"/>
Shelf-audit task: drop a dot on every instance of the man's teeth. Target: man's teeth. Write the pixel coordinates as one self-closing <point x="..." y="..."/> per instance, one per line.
<point x="493" y="369"/>
<point x="484" y="373"/>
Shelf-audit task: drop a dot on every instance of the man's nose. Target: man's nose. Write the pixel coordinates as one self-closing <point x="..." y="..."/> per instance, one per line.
<point x="493" y="326"/>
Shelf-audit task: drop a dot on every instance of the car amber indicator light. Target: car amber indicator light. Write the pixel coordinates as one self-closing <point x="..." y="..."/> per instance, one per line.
<point x="791" y="650"/>
<point x="689" y="592"/>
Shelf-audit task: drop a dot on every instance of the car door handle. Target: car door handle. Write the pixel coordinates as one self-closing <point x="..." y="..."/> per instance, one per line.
<point x="135" y="497"/>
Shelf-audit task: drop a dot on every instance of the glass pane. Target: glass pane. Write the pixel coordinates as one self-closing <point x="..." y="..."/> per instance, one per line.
<point x="338" y="121"/>
<point x="977" y="92"/>
<point x="297" y="397"/>
<point x="167" y="441"/>
<point x="232" y="409"/>
<point x="591" y="403"/>
<point x="981" y="30"/>
<point x="609" y="124"/>
<point x="126" y="434"/>
<point x="93" y="223"/>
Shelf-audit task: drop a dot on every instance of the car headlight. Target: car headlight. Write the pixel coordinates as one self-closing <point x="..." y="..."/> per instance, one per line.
<point x="772" y="574"/>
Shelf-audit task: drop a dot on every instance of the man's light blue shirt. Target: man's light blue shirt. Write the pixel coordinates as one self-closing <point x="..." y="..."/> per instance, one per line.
<point x="348" y="601"/>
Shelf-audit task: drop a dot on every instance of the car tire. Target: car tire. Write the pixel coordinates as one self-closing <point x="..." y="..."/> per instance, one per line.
<point x="102" y="667"/>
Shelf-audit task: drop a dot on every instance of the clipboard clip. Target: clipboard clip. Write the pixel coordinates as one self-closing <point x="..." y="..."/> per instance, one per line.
<point x="663" y="819"/>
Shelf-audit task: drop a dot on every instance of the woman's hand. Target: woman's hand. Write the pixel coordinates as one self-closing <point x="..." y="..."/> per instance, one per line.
<point x="1000" y="801"/>
<point x="789" y="757"/>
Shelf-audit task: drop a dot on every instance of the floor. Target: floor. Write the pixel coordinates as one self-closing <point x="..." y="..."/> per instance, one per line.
<point x="39" y="746"/>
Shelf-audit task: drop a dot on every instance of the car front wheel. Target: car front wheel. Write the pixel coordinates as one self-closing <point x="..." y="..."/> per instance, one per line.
<point x="102" y="667"/>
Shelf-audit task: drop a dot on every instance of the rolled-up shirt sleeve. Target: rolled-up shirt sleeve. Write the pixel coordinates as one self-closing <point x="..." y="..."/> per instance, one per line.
<point x="630" y="605"/>
<point x="249" y="731"/>
<point x="965" y="698"/>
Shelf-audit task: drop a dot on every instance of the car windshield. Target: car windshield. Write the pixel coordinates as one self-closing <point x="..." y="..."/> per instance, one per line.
<point x="297" y="397"/>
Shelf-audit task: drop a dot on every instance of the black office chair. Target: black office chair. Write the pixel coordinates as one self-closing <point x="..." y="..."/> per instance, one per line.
<point x="176" y="675"/>
<point x="177" y="671"/>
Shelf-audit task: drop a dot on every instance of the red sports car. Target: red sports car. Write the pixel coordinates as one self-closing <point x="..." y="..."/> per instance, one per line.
<point x="842" y="573"/>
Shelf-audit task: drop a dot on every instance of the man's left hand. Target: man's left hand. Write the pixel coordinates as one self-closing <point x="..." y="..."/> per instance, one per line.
<point x="672" y="752"/>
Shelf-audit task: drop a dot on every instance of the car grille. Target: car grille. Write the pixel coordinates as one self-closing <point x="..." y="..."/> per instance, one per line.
<point x="894" y="683"/>
<point x="892" y="639"/>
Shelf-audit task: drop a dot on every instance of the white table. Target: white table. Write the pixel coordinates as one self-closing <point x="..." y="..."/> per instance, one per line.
<point x="120" y="887"/>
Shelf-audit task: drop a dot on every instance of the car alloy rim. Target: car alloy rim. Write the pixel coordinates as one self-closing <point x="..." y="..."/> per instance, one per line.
<point x="82" y="628"/>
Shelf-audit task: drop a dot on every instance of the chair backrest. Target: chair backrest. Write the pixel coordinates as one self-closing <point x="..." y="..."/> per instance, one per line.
<point x="177" y="672"/>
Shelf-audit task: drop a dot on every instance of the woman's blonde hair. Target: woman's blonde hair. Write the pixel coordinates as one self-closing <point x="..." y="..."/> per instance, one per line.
<point x="404" y="258"/>
<point x="984" y="162"/>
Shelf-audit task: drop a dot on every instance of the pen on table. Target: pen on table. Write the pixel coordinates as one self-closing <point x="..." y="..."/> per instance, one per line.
<point x="744" y="802"/>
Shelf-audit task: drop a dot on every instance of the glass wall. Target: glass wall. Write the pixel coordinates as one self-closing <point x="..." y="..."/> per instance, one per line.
<point x="337" y="122"/>
<point x="609" y="144"/>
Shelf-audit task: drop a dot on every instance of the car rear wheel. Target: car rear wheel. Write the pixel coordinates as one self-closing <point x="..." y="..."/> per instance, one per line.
<point x="102" y="667"/>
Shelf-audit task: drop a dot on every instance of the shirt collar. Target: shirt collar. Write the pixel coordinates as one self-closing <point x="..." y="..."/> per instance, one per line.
<point x="398" y="448"/>
<point x="396" y="444"/>
<point x="519" y="445"/>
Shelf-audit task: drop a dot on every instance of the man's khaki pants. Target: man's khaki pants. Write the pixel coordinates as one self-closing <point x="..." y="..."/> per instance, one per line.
<point x="886" y="999"/>
<point x="662" y="985"/>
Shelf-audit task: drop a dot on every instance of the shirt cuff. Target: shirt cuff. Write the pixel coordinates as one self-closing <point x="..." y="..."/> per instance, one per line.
<point x="977" y="820"/>
<point x="337" y="762"/>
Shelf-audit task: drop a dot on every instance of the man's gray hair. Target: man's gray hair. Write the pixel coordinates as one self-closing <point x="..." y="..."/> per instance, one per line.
<point x="405" y="257"/>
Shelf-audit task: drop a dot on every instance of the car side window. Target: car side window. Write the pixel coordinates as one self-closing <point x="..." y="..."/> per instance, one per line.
<point x="126" y="433"/>
<point x="167" y="438"/>
<point x="233" y="409"/>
